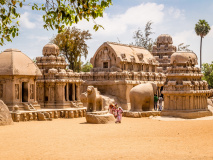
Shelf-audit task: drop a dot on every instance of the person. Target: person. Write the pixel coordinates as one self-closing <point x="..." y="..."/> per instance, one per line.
<point x="160" y="103"/>
<point x="111" y="106"/>
<point x="155" y="102"/>
<point x="119" y="115"/>
<point x="114" y="110"/>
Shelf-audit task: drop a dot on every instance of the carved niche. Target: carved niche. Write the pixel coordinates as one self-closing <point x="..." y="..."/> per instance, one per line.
<point x="16" y="91"/>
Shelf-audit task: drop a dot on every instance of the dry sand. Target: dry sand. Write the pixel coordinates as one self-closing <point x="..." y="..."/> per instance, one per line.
<point x="141" y="138"/>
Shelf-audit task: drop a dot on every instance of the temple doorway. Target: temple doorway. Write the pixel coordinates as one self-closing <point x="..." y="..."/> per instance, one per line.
<point x="24" y="92"/>
<point x="70" y="92"/>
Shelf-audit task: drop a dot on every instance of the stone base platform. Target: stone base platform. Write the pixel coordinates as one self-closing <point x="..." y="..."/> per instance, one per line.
<point x="47" y="114"/>
<point x="100" y="117"/>
<point x="186" y="114"/>
<point x="141" y="114"/>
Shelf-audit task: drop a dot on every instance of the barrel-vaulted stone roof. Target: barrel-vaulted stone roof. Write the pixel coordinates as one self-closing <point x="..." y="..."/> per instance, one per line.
<point x="128" y="53"/>
<point x="14" y="62"/>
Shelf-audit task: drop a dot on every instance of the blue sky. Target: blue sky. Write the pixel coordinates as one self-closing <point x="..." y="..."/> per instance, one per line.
<point x="174" y="17"/>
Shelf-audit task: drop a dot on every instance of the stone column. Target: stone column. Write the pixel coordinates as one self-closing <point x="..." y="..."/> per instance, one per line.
<point x="78" y="92"/>
<point x="67" y="85"/>
<point x="73" y="91"/>
<point x="35" y="96"/>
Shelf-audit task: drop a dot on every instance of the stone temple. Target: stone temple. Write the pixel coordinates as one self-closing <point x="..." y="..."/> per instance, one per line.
<point x="47" y="89"/>
<point x="185" y="93"/>
<point x="117" y="68"/>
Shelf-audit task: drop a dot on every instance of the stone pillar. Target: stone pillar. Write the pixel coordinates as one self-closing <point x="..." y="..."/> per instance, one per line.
<point x="78" y="92"/>
<point x="73" y="91"/>
<point x="35" y="96"/>
<point x="67" y="90"/>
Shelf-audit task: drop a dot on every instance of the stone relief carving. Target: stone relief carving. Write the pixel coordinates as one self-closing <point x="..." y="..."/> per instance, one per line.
<point x="16" y="91"/>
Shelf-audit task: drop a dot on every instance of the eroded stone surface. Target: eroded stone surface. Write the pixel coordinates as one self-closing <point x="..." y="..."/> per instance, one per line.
<point x="5" y="116"/>
<point x="100" y="119"/>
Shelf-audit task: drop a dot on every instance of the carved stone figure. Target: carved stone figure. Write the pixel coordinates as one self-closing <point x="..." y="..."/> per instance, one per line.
<point x="71" y="114"/>
<point x="76" y="114"/>
<point x="94" y="100"/>
<point x="41" y="116"/>
<point x="17" y="117"/>
<point x="142" y="97"/>
<point x="30" y="116"/>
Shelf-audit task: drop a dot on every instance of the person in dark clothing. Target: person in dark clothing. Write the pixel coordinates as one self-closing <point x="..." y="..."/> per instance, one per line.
<point x="155" y="102"/>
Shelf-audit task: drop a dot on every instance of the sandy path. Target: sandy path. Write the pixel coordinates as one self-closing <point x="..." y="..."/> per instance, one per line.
<point x="141" y="138"/>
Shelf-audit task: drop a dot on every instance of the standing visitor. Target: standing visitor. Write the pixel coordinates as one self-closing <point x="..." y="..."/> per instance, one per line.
<point x="111" y="108"/>
<point x="155" y="102"/>
<point x="119" y="116"/>
<point x="160" y="103"/>
<point x="114" y="110"/>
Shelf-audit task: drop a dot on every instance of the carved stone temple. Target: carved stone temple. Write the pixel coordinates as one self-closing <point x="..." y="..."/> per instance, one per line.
<point x="185" y="94"/>
<point x="57" y="87"/>
<point x="118" y="68"/>
<point x="18" y="75"/>
<point x="163" y="50"/>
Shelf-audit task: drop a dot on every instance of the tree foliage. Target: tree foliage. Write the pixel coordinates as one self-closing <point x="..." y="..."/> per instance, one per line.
<point x="207" y="70"/>
<point x="202" y="28"/>
<point x="86" y="67"/>
<point x="182" y="47"/>
<point x="72" y="44"/>
<point x="143" y="39"/>
<point x="56" y="14"/>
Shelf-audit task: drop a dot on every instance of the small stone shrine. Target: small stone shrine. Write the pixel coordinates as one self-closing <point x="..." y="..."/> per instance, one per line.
<point x="18" y="75"/>
<point x="185" y="94"/>
<point x="58" y="87"/>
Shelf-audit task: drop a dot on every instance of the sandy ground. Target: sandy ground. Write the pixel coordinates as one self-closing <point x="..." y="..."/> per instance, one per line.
<point x="141" y="138"/>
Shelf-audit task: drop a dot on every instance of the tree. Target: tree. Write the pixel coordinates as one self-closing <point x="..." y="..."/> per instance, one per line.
<point x="182" y="47"/>
<point x="202" y="28"/>
<point x="86" y="67"/>
<point x="72" y="44"/>
<point x="144" y="39"/>
<point x="56" y="14"/>
<point x="207" y="70"/>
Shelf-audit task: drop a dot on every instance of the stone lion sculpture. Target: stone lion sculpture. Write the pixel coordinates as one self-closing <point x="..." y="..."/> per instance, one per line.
<point x="94" y="100"/>
<point x="142" y="97"/>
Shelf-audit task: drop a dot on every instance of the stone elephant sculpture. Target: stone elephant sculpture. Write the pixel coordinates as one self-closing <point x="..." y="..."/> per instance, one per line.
<point x="94" y="100"/>
<point x="142" y="97"/>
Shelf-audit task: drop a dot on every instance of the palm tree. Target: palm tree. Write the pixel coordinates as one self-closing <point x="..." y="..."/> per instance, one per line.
<point x="202" y="28"/>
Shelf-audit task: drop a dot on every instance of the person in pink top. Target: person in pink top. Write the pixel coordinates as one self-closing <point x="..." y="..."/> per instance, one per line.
<point x="114" y="110"/>
<point x="119" y="115"/>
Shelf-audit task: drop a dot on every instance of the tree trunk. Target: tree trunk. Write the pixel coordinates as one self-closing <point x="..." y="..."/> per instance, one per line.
<point x="201" y="52"/>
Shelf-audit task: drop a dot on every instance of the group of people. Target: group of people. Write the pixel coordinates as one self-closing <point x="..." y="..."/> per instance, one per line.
<point x="116" y="111"/>
<point x="156" y="99"/>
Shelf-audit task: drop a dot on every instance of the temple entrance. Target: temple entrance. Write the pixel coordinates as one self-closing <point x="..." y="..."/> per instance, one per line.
<point x="70" y="92"/>
<point x="24" y="92"/>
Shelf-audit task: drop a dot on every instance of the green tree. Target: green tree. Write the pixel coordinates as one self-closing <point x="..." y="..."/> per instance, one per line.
<point x="202" y="28"/>
<point x="72" y="44"/>
<point x="182" y="47"/>
<point x="86" y="67"/>
<point x="144" y="39"/>
<point x="207" y="70"/>
<point x="56" y="14"/>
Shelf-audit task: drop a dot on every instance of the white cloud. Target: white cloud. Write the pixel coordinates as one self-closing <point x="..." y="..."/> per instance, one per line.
<point x="25" y="21"/>
<point x="121" y="23"/>
<point x="176" y="13"/>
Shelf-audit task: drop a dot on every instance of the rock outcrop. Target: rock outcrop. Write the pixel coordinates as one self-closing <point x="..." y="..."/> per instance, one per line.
<point x="5" y="116"/>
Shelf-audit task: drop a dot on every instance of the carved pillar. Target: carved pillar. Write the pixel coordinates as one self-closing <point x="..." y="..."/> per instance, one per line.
<point x="78" y="92"/>
<point x="73" y="91"/>
<point x="35" y="96"/>
<point x="67" y="90"/>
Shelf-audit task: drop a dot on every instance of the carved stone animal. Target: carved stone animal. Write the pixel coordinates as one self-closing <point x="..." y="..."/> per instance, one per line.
<point x="94" y="100"/>
<point x="142" y="97"/>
